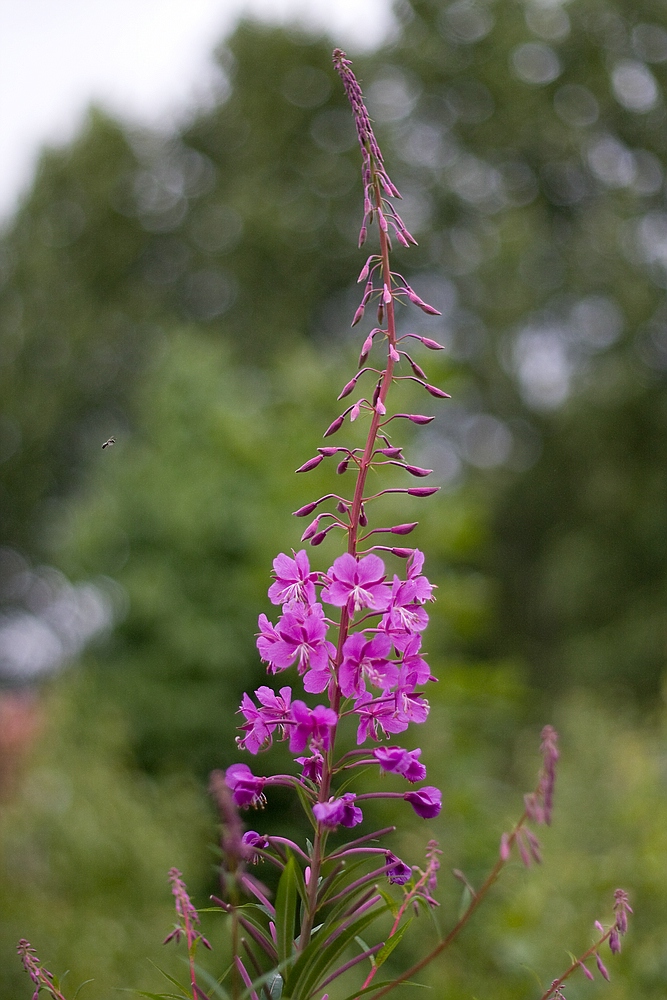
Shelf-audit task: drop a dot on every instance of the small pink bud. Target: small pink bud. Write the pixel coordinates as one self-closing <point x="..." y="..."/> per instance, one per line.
<point x="601" y="967"/>
<point x="417" y="369"/>
<point x="505" y="849"/>
<point x="380" y="312"/>
<point x="363" y="233"/>
<point x="306" y="509"/>
<point x="310" y="530"/>
<point x="432" y="345"/>
<point x="306" y="875"/>
<point x="335" y="426"/>
<point x="354" y="412"/>
<point x="586" y="972"/>
<point x="436" y="392"/>
<point x="380" y="408"/>
<point x="402" y="553"/>
<point x="363" y="520"/>
<point x="598" y="926"/>
<point x="363" y="274"/>
<point x="401" y="238"/>
<point x="382" y="222"/>
<point x="422" y="491"/>
<point x="404" y="529"/>
<point x="347" y="389"/>
<point x="359" y="313"/>
<point x="386" y="295"/>
<point x="614" y="942"/>
<point x="318" y="538"/>
<point x="393" y="353"/>
<point x="342" y="508"/>
<point x="415" y="470"/>
<point x="342" y="466"/>
<point x="418" y="418"/>
<point x="312" y="463"/>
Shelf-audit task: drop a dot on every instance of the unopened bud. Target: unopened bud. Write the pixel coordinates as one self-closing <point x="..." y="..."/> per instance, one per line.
<point x="386" y="295"/>
<point x="415" y="470"/>
<point x="335" y="426"/>
<point x="342" y="466"/>
<point x="319" y="538"/>
<point x="418" y="418"/>
<point x="402" y="553"/>
<point x="358" y="315"/>
<point x="306" y="509"/>
<point x="404" y="529"/>
<point x="312" y="463"/>
<point x="310" y="530"/>
<point x="601" y="967"/>
<point x="505" y="849"/>
<point x="342" y="508"/>
<point x="432" y="345"/>
<point x="423" y="491"/>
<point x="347" y="389"/>
<point x="363" y="519"/>
<point x="586" y="972"/>
<point x="436" y="392"/>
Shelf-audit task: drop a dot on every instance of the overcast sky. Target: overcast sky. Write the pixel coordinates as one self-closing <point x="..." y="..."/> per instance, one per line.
<point x="145" y="60"/>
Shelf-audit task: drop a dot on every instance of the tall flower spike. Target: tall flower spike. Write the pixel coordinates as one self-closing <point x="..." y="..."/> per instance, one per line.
<point x="372" y="166"/>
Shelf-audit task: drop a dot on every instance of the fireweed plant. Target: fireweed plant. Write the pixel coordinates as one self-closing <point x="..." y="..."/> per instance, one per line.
<point x="354" y="636"/>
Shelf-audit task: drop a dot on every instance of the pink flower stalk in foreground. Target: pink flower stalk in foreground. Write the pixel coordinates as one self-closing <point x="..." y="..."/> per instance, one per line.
<point x="351" y="635"/>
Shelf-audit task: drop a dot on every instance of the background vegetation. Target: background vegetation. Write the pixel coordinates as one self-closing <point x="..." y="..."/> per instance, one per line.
<point x="191" y="294"/>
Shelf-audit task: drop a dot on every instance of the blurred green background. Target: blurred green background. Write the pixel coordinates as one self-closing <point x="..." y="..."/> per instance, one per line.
<point x="190" y="293"/>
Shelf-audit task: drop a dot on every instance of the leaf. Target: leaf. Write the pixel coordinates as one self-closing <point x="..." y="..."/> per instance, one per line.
<point x="84" y="983"/>
<point x="174" y="982"/>
<point x="393" y="904"/>
<point x="286" y="900"/>
<point x="215" y="984"/>
<point x="392" y="943"/>
<point x="316" y="960"/>
<point x="379" y="986"/>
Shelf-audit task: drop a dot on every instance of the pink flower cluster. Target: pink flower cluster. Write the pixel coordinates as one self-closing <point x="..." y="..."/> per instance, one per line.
<point x="378" y="679"/>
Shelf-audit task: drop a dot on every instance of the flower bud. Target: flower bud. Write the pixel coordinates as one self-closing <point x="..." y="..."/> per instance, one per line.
<point x="347" y="389"/>
<point x="436" y="392"/>
<point x="342" y="466"/>
<point x="432" y="345"/>
<point x="312" y="463"/>
<point x="423" y="491"/>
<point x="334" y="426"/>
<point x="404" y="529"/>
<point x="414" y="470"/>
<point x="306" y="509"/>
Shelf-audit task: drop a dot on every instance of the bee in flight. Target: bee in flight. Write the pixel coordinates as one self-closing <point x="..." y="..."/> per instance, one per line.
<point x="108" y="443"/>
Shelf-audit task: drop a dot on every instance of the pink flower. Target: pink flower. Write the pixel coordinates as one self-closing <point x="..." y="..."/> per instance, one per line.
<point x="262" y="722"/>
<point x="426" y="802"/>
<point x="366" y="659"/>
<point x="246" y="788"/>
<point x="294" y="580"/>
<point x="396" y="760"/>
<point x="398" y="872"/>
<point x="311" y="726"/>
<point x="357" y="583"/>
<point x="299" y="636"/>
<point x="377" y="717"/>
<point x="338" y="812"/>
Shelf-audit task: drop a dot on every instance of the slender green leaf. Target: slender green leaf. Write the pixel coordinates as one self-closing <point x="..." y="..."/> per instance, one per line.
<point x="389" y="946"/>
<point x="286" y="900"/>
<point x="84" y="983"/>
<point x="318" y="959"/>
<point x="174" y="982"/>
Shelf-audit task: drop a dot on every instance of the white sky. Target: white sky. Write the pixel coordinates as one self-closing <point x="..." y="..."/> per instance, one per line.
<point x="145" y="60"/>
